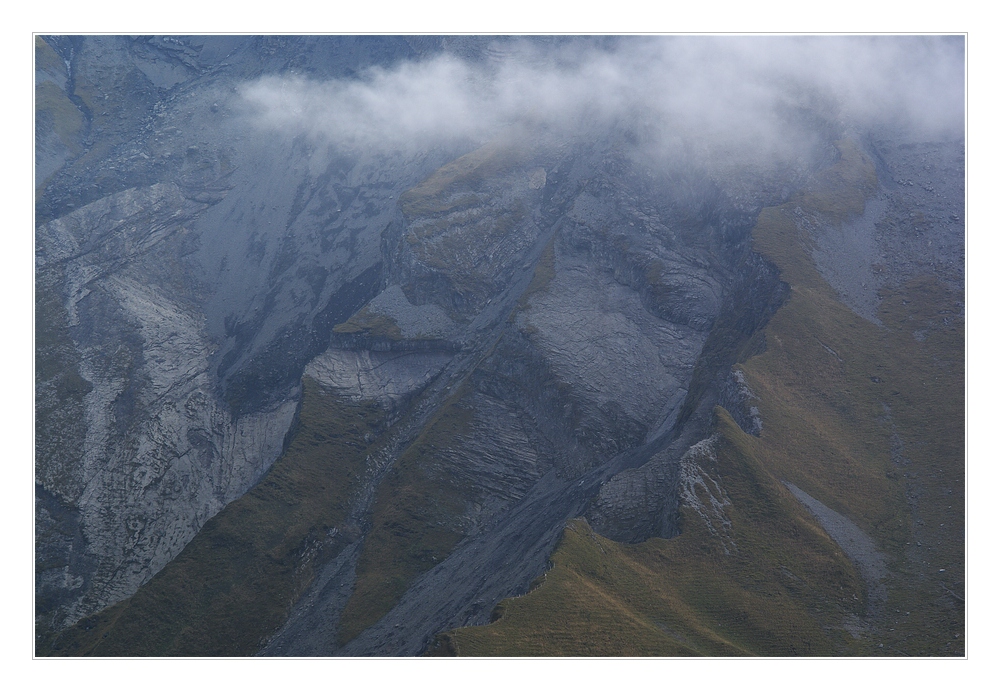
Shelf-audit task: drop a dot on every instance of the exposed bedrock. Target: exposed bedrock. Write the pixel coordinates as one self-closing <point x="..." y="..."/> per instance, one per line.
<point x="187" y="270"/>
<point x="158" y="452"/>
<point x="540" y="325"/>
<point x="642" y="503"/>
<point x="383" y="376"/>
<point x="572" y="393"/>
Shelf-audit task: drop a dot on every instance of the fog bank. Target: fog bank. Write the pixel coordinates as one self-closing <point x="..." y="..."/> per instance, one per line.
<point x="728" y="93"/>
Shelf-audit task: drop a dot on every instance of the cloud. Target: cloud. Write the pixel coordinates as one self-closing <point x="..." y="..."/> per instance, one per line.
<point x="726" y="93"/>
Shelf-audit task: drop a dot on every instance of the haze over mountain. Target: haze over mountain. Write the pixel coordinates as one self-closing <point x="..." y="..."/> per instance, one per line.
<point x="342" y="341"/>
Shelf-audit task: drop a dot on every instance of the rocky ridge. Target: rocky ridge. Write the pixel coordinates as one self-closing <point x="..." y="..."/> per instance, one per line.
<point x="538" y="329"/>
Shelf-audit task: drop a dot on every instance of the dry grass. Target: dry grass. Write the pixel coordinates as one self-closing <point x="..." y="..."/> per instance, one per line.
<point x="776" y="595"/>
<point x="442" y="191"/>
<point x="834" y="391"/>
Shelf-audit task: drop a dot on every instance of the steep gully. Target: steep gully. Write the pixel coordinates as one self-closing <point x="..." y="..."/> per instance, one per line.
<point x="504" y="558"/>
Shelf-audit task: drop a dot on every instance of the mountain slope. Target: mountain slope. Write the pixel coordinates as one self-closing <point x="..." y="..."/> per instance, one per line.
<point x="315" y="381"/>
<point x="839" y="399"/>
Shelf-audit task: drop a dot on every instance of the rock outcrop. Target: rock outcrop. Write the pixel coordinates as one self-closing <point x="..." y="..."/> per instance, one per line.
<point x="176" y="312"/>
<point x="495" y="335"/>
<point x="161" y="453"/>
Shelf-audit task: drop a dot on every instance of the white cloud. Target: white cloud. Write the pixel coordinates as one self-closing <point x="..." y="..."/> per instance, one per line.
<point x="731" y="93"/>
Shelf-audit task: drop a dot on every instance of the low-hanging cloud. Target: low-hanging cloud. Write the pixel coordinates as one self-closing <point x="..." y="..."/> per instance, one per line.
<point x="729" y="92"/>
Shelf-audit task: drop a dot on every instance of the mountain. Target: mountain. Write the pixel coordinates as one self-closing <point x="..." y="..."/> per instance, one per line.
<point x="362" y="346"/>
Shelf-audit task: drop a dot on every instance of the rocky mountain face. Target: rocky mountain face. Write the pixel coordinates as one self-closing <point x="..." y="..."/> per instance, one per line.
<point x="161" y="396"/>
<point x="295" y="399"/>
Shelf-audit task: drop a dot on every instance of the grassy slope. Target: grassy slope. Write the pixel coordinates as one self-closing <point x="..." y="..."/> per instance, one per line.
<point x="687" y="596"/>
<point x="414" y="522"/>
<point x="232" y="585"/>
<point x="925" y="389"/>
<point x="833" y="390"/>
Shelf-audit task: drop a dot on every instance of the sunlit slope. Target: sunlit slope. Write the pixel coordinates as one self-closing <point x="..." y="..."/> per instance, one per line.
<point x="866" y="419"/>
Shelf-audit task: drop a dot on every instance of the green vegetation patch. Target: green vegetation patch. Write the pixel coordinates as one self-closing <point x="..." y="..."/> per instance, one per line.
<point x="869" y="419"/>
<point x="233" y="584"/>
<point x="924" y="389"/>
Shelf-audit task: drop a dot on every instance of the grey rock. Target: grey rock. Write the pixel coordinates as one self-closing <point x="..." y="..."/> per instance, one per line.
<point x="859" y="548"/>
<point x="906" y="230"/>
<point x="384" y="376"/>
<point x="427" y="321"/>
<point x="631" y="506"/>
<point x="712" y="509"/>
<point x="737" y="398"/>
<point x="161" y="453"/>
<point x="601" y="341"/>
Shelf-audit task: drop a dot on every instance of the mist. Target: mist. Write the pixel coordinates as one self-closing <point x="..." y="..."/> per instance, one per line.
<point x="721" y="94"/>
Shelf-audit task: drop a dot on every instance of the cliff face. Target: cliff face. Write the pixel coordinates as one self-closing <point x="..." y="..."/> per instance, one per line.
<point x="165" y="291"/>
<point x="298" y="398"/>
<point x="159" y="453"/>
